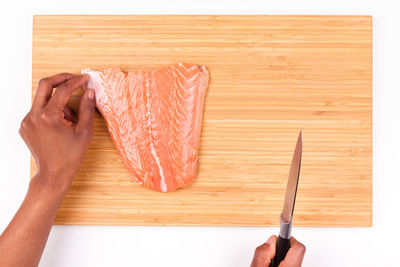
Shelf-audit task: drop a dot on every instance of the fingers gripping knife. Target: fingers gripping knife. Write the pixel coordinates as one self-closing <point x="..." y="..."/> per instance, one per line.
<point x="283" y="243"/>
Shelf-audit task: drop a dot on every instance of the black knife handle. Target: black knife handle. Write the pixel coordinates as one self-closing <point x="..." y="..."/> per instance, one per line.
<point x="282" y="247"/>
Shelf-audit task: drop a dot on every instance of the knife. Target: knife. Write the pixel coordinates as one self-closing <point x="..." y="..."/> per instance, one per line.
<point x="283" y="243"/>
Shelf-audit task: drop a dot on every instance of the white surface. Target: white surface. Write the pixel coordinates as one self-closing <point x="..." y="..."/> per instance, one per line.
<point x="205" y="246"/>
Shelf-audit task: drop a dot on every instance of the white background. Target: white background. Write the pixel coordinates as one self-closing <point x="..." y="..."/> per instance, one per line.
<point x="205" y="246"/>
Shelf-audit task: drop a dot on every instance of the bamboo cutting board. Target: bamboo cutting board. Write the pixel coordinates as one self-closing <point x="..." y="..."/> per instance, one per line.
<point x="270" y="76"/>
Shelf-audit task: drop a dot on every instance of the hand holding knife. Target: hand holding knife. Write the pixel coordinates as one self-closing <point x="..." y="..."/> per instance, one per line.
<point x="283" y="242"/>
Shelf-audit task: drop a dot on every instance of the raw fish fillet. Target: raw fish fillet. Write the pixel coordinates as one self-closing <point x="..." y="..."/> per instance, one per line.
<point x="154" y="118"/>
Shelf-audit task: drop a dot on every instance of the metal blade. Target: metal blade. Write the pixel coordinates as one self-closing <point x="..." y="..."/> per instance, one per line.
<point x="293" y="180"/>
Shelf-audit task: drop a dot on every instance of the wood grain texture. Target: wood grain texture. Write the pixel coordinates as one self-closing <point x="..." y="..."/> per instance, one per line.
<point x="270" y="76"/>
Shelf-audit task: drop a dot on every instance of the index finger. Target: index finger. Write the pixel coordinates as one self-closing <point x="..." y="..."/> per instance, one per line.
<point x="64" y="91"/>
<point x="45" y="88"/>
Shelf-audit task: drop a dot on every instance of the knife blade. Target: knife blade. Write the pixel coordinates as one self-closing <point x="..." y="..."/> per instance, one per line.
<point x="283" y="243"/>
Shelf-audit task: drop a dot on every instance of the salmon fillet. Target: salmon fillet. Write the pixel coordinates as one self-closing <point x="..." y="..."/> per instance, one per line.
<point x="154" y="118"/>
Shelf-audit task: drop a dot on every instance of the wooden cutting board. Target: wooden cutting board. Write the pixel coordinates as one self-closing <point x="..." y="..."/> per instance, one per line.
<point x="270" y="76"/>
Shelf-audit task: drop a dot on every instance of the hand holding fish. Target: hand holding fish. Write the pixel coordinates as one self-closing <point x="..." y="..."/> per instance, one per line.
<point x="57" y="139"/>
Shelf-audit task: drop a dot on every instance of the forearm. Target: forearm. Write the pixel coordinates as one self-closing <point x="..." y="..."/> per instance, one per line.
<point x="23" y="241"/>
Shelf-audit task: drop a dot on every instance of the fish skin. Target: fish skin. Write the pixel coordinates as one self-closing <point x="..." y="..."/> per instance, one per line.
<point x="154" y="118"/>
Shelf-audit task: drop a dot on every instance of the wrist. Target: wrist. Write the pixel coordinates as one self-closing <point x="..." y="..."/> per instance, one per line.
<point x="49" y="187"/>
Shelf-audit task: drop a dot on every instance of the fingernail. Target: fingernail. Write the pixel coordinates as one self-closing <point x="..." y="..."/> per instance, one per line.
<point x="271" y="240"/>
<point x="90" y="94"/>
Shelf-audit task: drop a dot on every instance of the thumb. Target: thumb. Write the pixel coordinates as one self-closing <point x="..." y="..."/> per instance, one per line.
<point x="86" y="112"/>
<point x="265" y="253"/>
